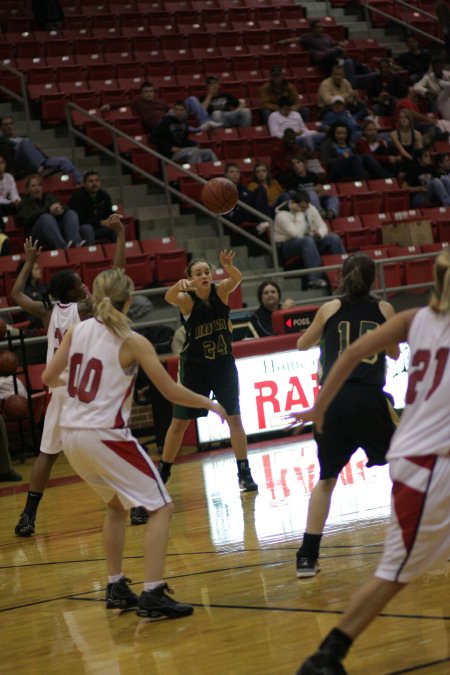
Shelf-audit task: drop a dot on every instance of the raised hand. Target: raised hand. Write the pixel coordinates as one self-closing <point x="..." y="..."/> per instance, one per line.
<point x="115" y="222"/>
<point x="226" y="258"/>
<point x="31" y="250"/>
<point x="185" y="285"/>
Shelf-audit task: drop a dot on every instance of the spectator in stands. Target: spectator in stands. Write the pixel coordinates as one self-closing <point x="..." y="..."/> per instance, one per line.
<point x="266" y="192"/>
<point x="171" y="138"/>
<point x="373" y="145"/>
<point x="415" y="60"/>
<point x="299" y="178"/>
<point x="433" y="83"/>
<point x="335" y="85"/>
<point x="442" y="163"/>
<point x="287" y="118"/>
<point x="300" y="231"/>
<point x="9" y="197"/>
<point x="269" y="298"/>
<point x="147" y="106"/>
<point x="47" y="220"/>
<point x="238" y="215"/>
<point x="405" y="138"/>
<point x="284" y="150"/>
<point x="384" y="89"/>
<point x="7" y="473"/>
<point x="337" y="152"/>
<point x="217" y="108"/>
<point x="423" y="183"/>
<point x="273" y="90"/>
<point x="24" y="157"/>
<point x="432" y="128"/>
<point x="94" y="209"/>
<point x="338" y="113"/>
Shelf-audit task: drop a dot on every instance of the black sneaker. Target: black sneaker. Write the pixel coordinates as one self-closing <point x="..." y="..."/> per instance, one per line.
<point x="246" y="482"/>
<point x="322" y="663"/>
<point x="138" y="515"/>
<point x="156" y="603"/>
<point x="25" y="526"/>
<point x="120" y="595"/>
<point x="307" y="567"/>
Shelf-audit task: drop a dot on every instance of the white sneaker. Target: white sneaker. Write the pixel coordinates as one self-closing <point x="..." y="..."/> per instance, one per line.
<point x="262" y="227"/>
<point x="210" y="124"/>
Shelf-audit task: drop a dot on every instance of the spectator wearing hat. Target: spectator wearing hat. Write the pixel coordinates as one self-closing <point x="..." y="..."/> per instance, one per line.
<point x="338" y="113"/>
<point x="287" y="118"/>
<point x="299" y="230"/>
<point x="276" y="88"/>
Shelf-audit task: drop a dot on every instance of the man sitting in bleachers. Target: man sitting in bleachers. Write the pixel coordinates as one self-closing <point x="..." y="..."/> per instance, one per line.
<point x="94" y="208"/>
<point x="218" y="108"/>
<point x="147" y="106"/>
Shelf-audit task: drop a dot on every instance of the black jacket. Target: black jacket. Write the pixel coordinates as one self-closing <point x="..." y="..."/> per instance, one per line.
<point x="170" y="133"/>
<point x="91" y="211"/>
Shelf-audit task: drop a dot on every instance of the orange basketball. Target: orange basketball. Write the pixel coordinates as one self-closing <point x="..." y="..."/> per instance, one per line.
<point x="8" y="363"/>
<point x="15" y="407"/>
<point x="3" y="328"/>
<point x="220" y="195"/>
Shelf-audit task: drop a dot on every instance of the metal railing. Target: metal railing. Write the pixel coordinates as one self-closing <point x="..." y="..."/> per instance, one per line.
<point x="369" y="8"/>
<point x="23" y="98"/>
<point x="163" y="183"/>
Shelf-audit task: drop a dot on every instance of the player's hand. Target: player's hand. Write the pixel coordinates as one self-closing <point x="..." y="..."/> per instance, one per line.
<point x="31" y="250"/>
<point x="217" y="408"/>
<point x="115" y="222"/>
<point x="226" y="259"/>
<point x="313" y="415"/>
<point x="185" y="285"/>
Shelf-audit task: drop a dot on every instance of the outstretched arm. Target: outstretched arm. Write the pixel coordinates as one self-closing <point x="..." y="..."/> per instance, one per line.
<point x="115" y="223"/>
<point x="227" y="286"/>
<point x="34" y="307"/>
<point x="177" y="295"/>
<point x="395" y="330"/>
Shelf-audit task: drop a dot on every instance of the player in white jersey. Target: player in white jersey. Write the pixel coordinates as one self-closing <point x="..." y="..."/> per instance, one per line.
<point x="102" y="356"/>
<point x="71" y="307"/>
<point x="418" y="536"/>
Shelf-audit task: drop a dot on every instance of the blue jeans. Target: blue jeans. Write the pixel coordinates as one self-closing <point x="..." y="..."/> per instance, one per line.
<point x="57" y="232"/>
<point x="194" y="154"/>
<point x="194" y="107"/>
<point x="242" y="117"/>
<point x="330" y="203"/>
<point x="28" y="159"/>
<point x="311" y="249"/>
<point x="438" y="189"/>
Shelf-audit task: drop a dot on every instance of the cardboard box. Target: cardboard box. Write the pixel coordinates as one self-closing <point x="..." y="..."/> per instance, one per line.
<point x="414" y="233"/>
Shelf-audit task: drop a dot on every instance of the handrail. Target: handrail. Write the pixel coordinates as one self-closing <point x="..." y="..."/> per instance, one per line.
<point x="23" y="87"/>
<point x="368" y="6"/>
<point x="169" y="190"/>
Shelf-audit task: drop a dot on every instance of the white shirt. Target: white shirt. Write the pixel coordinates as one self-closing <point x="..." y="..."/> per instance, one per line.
<point x="8" y="189"/>
<point x="424" y="427"/>
<point x="289" y="225"/>
<point x="278" y="123"/>
<point x="431" y="84"/>
<point x="63" y="317"/>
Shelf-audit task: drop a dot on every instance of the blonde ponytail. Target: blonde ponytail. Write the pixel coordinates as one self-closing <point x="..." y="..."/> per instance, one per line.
<point x="111" y="290"/>
<point x="440" y="299"/>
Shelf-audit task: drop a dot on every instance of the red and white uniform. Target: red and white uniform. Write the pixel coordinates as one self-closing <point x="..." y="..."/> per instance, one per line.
<point x="95" y="437"/>
<point x="63" y="317"/>
<point x="418" y="536"/>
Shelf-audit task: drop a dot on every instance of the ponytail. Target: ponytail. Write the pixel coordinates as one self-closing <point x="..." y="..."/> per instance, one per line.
<point x="440" y="298"/>
<point x="358" y="275"/>
<point x="111" y="290"/>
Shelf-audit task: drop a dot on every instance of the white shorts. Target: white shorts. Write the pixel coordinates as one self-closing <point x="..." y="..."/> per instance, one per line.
<point x="113" y="463"/>
<point x="51" y="433"/>
<point x="418" y="536"/>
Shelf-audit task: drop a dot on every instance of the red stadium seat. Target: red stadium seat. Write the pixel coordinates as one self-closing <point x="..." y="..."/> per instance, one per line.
<point x="170" y="266"/>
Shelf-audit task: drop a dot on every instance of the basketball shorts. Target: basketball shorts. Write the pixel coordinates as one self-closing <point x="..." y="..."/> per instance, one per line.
<point x="51" y="433"/>
<point x="418" y="536"/>
<point x="361" y="416"/>
<point x="219" y="377"/>
<point x="113" y="463"/>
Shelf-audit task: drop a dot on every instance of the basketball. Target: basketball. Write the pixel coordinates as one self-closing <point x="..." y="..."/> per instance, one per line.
<point x="220" y="195"/>
<point x="15" y="407"/>
<point x="3" y="328"/>
<point x="8" y="363"/>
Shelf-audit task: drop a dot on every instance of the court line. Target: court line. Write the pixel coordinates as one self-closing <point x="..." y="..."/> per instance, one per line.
<point x="424" y="665"/>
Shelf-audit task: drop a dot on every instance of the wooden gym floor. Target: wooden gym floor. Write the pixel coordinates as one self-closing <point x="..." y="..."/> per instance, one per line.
<point x="230" y="555"/>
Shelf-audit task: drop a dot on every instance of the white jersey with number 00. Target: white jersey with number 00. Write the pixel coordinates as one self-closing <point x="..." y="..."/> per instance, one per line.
<point x="424" y="427"/>
<point x="99" y="391"/>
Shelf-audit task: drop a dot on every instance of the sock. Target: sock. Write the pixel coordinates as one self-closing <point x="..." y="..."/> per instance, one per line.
<point x="310" y="546"/>
<point x="164" y="469"/>
<point x="337" y="643"/>
<point x="151" y="585"/>
<point x="242" y="465"/>
<point x="32" y="503"/>
<point x="115" y="578"/>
